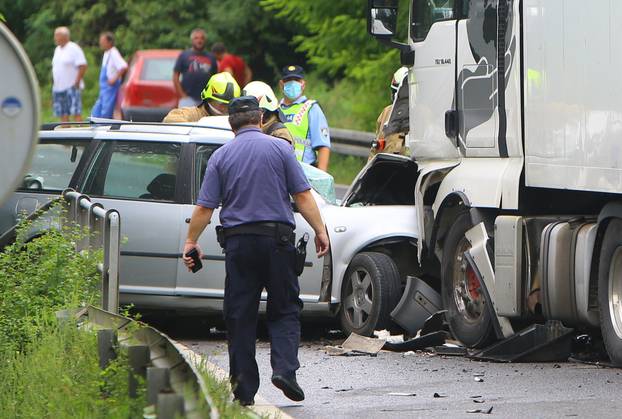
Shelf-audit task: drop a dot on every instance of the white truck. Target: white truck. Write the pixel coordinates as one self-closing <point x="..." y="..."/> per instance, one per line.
<point x="515" y="123"/>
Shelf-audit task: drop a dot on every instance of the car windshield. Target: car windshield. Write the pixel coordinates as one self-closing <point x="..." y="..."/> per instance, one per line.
<point x="52" y="166"/>
<point x="157" y="69"/>
<point x="321" y="182"/>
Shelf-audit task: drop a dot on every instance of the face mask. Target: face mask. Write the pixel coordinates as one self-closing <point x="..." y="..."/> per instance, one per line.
<point x="292" y="89"/>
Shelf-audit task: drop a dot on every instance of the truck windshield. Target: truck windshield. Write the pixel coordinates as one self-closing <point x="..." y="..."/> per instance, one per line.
<point x="424" y="13"/>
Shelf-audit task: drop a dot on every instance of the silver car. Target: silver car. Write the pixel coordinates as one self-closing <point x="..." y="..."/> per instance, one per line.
<point x="152" y="173"/>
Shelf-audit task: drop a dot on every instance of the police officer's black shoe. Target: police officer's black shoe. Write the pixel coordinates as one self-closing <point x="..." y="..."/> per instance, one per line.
<point x="250" y="402"/>
<point x="289" y="386"/>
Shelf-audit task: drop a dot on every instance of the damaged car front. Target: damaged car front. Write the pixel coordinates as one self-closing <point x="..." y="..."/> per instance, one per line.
<point x="374" y="243"/>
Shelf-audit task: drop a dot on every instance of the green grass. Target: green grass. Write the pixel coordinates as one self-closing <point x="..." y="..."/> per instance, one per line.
<point x="59" y="377"/>
<point x="345" y="168"/>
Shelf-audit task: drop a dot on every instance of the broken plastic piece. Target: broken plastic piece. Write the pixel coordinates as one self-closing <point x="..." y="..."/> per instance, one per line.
<point x="418" y="303"/>
<point x="416" y="344"/>
<point x="550" y="342"/>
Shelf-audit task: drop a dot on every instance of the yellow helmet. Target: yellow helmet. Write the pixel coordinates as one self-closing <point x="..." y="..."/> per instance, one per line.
<point x="221" y="87"/>
<point x="264" y="94"/>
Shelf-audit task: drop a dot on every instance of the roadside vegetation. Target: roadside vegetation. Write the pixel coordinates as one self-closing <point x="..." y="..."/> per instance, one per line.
<point x="49" y="367"/>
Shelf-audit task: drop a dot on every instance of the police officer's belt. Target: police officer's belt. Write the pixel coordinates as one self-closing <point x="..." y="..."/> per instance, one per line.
<point x="281" y="232"/>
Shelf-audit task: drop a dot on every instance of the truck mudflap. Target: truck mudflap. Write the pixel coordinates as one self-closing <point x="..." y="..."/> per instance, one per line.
<point x="477" y="256"/>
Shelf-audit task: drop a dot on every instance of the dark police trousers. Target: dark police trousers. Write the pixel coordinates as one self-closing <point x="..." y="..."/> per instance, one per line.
<point x="254" y="262"/>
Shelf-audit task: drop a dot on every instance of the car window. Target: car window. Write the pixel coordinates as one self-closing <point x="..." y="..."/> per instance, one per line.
<point x="135" y="170"/>
<point x="157" y="69"/>
<point x="202" y="155"/>
<point x="52" y="166"/>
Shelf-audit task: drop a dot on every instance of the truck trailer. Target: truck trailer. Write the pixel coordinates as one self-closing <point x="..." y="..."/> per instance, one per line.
<point x="514" y="116"/>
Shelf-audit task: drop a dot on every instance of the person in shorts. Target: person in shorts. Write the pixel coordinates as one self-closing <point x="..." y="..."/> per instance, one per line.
<point x="68" y="68"/>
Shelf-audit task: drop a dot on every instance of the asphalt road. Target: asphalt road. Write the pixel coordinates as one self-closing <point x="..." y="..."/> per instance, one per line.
<point x="398" y="385"/>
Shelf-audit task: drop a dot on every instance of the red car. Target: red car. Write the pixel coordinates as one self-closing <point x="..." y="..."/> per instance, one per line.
<point x="148" y="93"/>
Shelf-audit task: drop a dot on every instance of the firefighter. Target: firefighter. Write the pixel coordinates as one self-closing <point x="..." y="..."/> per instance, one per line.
<point x="219" y="91"/>
<point x="392" y="143"/>
<point x="273" y="118"/>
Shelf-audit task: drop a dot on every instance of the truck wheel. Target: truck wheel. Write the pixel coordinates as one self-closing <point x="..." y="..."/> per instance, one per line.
<point x="370" y="291"/>
<point x="461" y="290"/>
<point x="610" y="291"/>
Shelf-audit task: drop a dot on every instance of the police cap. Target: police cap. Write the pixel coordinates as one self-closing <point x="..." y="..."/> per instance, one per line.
<point x="292" y="72"/>
<point x="243" y="104"/>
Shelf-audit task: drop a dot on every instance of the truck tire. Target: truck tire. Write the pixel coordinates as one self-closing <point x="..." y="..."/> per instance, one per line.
<point x="610" y="290"/>
<point x="370" y="291"/>
<point x="467" y="307"/>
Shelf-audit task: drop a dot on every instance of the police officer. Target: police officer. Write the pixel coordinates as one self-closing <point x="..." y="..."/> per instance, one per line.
<point x="273" y="117"/>
<point x="394" y="143"/>
<point x="305" y="119"/>
<point x="220" y="89"/>
<point x="253" y="177"/>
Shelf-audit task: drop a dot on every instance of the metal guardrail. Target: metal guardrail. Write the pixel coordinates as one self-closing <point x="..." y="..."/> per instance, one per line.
<point x="104" y="232"/>
<point x="169" y="372"/>
<point x="354" y="143"/>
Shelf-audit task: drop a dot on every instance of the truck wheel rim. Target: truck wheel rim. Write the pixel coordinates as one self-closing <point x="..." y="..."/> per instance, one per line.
<point x="359" y="298"/>
<point x="615" y="292"/>
<point x="467" y="289"/>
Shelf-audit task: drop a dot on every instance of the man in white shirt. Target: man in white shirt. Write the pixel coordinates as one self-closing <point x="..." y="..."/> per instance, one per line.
<point x="113" y="68"/>
<point x="68" y="68"/>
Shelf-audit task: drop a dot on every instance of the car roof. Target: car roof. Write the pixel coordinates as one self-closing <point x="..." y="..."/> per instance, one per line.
<point x="211" y="130"/>
<point x="151" y="53"/>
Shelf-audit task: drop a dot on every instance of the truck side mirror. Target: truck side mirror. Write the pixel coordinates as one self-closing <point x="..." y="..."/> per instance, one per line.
<point x="382" y="25"/>
<point x="382" y="18"/>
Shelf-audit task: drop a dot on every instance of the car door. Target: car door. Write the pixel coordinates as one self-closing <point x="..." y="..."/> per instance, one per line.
<point x="209" y="282"/>
<point x="311" y="279"/>
<point x="140" y="180"/>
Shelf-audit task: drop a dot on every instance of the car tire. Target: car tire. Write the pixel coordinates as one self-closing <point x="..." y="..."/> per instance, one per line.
<point x="370" y="291"/>
<point x="610" y="291"/>
<point x="467" y="314"/>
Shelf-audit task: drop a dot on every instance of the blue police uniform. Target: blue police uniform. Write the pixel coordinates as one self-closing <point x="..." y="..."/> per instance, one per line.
<point x="253" y="177"/>
<point x="318" y="134"/>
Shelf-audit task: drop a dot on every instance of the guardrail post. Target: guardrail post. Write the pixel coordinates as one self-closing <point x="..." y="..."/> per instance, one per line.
<point x="138" y="357"/>
<point x="106" y="347"/>
<point x="112" y="255"/>
<point x="158" y="379"/>
<point x="170" y="406"/>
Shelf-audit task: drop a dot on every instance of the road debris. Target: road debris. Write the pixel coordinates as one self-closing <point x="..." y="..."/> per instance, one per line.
<point x="485" y="412"/>
<point x="386" y="335"/>
<point x="478" y="379"/>
<point x="357" y="345"/>
<point x="439" y="396"/>
<point x="418" y="343"/>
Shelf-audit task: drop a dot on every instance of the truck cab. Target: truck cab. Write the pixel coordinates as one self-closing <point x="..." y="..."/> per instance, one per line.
<point x="514" y="125"/>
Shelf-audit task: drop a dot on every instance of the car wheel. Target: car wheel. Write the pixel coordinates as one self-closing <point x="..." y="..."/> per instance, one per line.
<point x="370" y="291"/>
<point x="462" y="294"/>
<point x="610" y="291"/>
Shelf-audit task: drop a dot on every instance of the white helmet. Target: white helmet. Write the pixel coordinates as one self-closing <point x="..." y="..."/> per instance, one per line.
<point x="264" y="94"/>
<point x="398" y="76"/>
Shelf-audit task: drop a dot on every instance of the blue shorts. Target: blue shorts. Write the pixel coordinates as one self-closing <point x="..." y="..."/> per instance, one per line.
<point x="67" y="102"/>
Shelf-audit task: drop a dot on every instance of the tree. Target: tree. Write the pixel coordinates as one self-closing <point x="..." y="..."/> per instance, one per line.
<point x="336" y="43"/>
